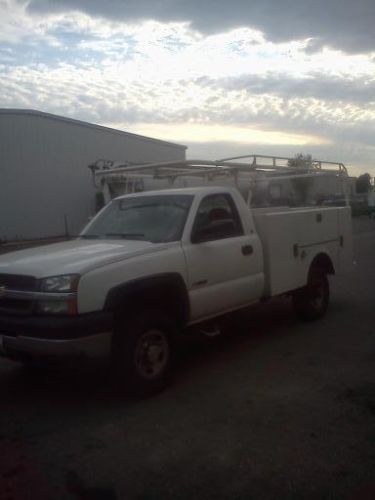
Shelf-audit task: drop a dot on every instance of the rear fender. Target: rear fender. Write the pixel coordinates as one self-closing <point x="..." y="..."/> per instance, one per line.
<point x="322" y="262"/>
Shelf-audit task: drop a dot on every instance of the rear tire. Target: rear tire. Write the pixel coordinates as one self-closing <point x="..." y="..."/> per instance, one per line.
<point x="142" y="353"/>
<point x="311" y="302"/>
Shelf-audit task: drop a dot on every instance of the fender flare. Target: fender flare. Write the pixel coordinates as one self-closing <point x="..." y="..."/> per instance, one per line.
<point x="322" y="261"/>
<point x="164" y="290"/>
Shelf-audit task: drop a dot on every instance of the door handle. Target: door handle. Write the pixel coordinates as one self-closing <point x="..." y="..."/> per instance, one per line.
<point x="247" y="250"/>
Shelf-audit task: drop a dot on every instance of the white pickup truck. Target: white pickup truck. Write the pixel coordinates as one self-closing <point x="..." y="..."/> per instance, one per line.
<point x="152" y="264"/>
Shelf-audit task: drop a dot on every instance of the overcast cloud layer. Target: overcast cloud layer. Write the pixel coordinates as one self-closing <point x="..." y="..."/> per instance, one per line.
<point x="345" y="24"/>
<point x="222" y="77"/>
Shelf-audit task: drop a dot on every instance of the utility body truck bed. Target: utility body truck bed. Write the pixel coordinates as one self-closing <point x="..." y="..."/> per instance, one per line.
<point x="152" y="264"/>
<point x="292" y="238"/>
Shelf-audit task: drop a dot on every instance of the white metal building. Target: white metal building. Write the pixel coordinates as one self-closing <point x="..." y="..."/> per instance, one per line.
<point x="45" y="184"/>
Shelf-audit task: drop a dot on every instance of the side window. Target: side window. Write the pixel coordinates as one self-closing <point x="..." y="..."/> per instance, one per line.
<point x="217" y="218"/>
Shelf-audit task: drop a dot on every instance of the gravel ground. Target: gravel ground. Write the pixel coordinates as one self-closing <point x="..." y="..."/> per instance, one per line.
<point x="273" y="409"/>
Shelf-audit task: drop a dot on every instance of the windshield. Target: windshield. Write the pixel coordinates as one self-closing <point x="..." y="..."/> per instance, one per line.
<point x="157" y="218"/>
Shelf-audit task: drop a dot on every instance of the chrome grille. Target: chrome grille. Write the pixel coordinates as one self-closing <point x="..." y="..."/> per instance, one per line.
<point x="16" y="282"/>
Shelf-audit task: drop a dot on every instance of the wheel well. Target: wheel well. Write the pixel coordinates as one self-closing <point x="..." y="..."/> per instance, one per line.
<point x="322" y="262"/>
<point x="165" y="292"/>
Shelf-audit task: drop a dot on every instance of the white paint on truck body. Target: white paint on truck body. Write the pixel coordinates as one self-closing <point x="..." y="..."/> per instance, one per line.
<point x="164" y="258"/>
<point x="220" y="276"/>
<point x="292" y="238"/>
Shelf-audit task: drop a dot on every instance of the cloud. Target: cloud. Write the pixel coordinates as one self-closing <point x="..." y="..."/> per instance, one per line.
<point x="342" y="24"/>
<point x="213" y="122"/>
<point x="169" y="81"/>
<point x="342" y="89"/>
<point x="102" y="95"/>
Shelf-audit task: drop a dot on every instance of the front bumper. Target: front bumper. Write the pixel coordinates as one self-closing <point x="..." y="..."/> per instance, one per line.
<point x="26" y="338"/>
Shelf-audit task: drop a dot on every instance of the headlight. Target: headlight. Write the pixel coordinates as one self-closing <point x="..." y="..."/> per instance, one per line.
<point x="63" y="283"/>
<point x="58" y="307"/>
<point x="57" y="295"/>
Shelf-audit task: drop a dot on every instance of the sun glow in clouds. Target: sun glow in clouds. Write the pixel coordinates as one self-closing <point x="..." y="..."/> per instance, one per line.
<point x="220" y="133"/>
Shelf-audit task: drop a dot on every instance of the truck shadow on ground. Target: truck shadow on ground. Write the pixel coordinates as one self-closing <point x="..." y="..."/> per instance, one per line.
<point x="245" y="328"/>
<point x="90" y="385"/>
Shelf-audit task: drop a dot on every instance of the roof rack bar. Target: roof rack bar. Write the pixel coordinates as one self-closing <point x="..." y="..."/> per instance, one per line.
<point x="274" y="159"/>
<point x="313" y="175"/>
<point x="188" y="164"/>
<point x="125" y="167"/>
<point x="203" y="172"/>
<point x="254" y="156"/>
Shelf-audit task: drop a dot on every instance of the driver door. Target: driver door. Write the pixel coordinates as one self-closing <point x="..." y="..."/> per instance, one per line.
<point x="225" y="265"/>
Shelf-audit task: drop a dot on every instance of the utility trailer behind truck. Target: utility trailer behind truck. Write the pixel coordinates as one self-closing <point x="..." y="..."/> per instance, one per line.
<point x="153" y="265"/>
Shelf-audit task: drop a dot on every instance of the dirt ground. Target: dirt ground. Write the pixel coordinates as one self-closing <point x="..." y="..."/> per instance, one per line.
<point x="273" y="409"/>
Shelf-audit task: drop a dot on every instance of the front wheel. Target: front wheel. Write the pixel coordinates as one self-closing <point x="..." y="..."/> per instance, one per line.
<point x="142" y="353"/>
<point x="311" y="302"/>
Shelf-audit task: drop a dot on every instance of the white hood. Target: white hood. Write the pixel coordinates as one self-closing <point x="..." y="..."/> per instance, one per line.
<point x="70" y="257"/>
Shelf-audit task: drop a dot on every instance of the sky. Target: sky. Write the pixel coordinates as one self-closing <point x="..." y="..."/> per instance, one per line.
<point x="224" y="78"/>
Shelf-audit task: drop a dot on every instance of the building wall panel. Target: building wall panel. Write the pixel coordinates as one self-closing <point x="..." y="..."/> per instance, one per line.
<point x="44" y="179"/>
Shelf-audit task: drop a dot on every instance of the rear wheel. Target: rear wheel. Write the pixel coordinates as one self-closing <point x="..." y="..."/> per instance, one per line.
<point x="142" y="352"/>
<point x="311" y="302"/>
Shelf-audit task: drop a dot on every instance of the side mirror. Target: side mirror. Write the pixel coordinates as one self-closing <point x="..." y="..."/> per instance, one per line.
<point x="214" y="230"/>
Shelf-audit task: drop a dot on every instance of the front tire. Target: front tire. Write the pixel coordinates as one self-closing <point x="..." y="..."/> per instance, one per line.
<point x="142" y="353"/>
<point x="311" y="302"/>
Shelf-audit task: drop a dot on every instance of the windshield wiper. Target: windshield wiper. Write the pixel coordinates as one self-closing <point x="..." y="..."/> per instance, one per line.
<point x="128" y="236"/>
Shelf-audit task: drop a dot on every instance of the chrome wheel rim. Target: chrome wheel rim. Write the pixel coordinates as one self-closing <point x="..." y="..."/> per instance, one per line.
<point x="152" y="353"/>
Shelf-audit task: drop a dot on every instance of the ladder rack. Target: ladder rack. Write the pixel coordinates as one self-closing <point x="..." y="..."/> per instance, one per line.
<point x="269" y="165"/>
<point x="247" y="173"/>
